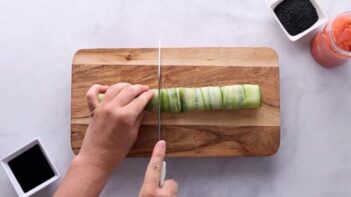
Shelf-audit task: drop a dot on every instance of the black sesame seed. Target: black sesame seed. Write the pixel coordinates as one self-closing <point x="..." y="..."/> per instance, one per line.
<point x="296" y="15"/>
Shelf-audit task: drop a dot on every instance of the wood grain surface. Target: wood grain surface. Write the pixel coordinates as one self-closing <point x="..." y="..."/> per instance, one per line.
<point x="194" y="134"/>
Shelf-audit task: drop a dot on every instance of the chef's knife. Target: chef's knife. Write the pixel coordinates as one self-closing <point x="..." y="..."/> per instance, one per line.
<point x="159" y="119"/>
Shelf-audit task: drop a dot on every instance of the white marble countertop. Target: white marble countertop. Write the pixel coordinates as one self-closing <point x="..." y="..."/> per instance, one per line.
<point x="38" y="39"/>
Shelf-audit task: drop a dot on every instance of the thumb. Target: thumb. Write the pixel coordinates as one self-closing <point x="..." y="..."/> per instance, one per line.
<point x="153" y="171"/>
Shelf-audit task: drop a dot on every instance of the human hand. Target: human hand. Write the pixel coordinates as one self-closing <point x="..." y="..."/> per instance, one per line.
<point x="151" y="186"/>
<point x="115" y="122"/>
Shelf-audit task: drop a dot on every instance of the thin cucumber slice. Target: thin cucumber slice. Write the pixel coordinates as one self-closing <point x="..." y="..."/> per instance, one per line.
<point x="179" y="104"/>
<point x="164" y="101"/>
<point x="228" y="97"/>
<point x="198" y="100"/>
<point x="206" y="97"/>
<point x="189" y="99"/>
<point x="215" y="97"/>
<point x="182" y="100"/>
<point x="172" y="98"/>
<point x="252" y="96"/>
<point x="239" y="96"/>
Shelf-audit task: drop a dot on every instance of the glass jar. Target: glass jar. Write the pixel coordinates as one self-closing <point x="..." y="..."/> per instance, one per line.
<point x="332" y="45"/>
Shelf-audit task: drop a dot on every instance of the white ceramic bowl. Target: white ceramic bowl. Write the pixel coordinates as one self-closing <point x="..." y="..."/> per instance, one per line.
<point x="322" y="18"/>
<point x="11" y="176"/>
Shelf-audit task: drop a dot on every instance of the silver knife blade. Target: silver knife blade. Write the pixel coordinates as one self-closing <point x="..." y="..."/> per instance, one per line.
<point x="159" y="80"/>
<point x="159" y="100"/>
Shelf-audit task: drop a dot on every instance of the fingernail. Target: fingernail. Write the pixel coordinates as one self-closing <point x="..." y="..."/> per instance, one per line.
<point x="162" y="144"/>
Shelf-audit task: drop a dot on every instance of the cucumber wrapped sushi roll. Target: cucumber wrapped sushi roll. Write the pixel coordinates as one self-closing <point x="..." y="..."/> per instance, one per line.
<point x="183" y="99"/>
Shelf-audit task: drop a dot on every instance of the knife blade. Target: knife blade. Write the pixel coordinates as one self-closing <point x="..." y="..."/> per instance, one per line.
<point x="159" y="80"/>
<point x="159" y="118"/>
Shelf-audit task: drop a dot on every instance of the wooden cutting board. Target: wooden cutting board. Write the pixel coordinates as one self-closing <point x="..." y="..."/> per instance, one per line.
<point x="194" y="134"/>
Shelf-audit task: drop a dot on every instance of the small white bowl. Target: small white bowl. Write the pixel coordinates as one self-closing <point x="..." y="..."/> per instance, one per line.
<point x="11" y="176"/>
<point x="322" y="18"/>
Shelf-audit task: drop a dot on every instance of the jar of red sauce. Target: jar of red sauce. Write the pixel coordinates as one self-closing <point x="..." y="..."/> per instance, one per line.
<point x="332" y="45"/>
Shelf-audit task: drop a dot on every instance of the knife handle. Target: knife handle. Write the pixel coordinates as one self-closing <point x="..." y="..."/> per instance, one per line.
<point x="163" y="173"/>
